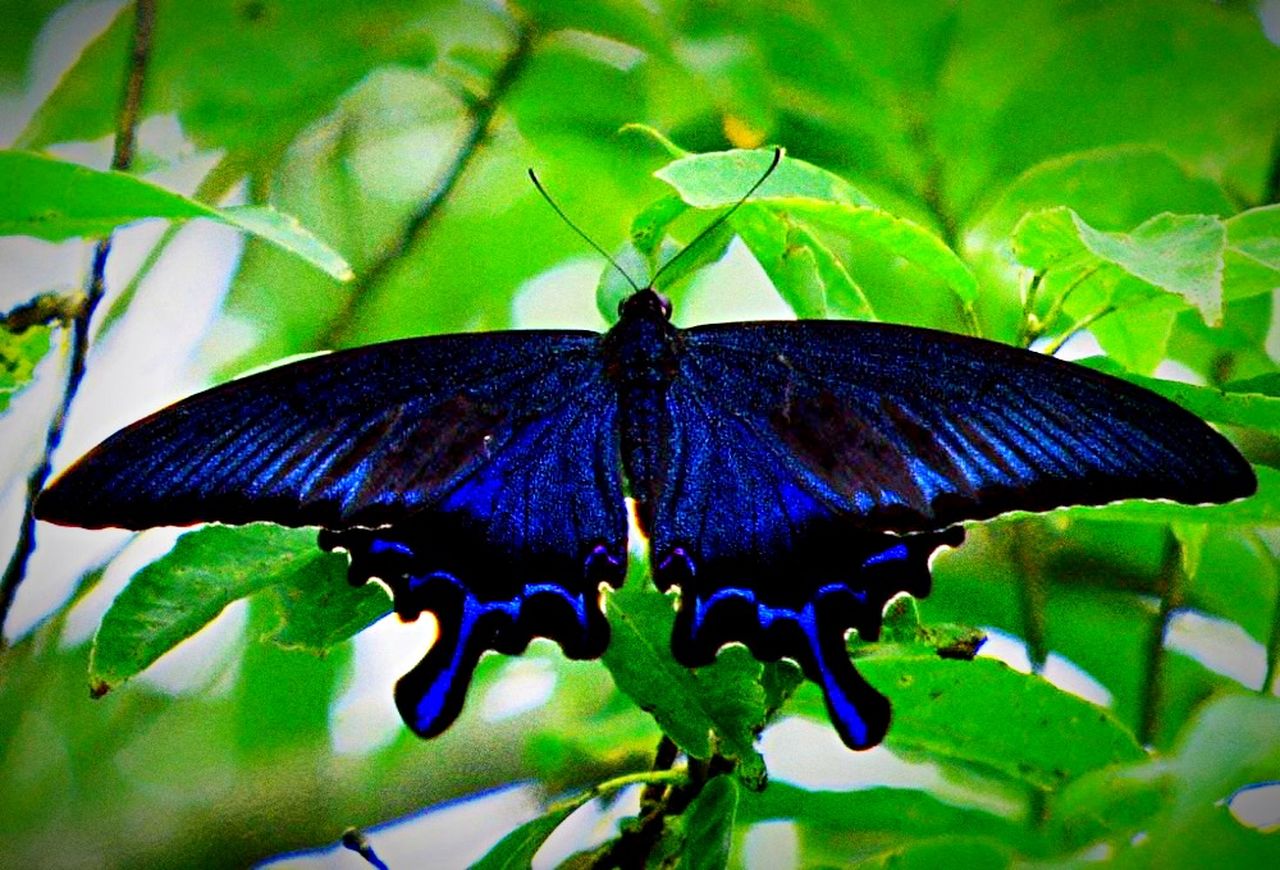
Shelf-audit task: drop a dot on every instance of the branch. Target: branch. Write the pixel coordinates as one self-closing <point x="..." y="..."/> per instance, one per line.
<point x="482" y="111"/>
<point x="1169" y="586"/>
<point x="95" y="286"/>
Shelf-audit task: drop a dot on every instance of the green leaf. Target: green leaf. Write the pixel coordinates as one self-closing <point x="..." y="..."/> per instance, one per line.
<point x="901" y="237"/>
<point x="287" y="234"/>
<point x="1253" y="253"/>
<point x="690" y="705"/>
<point x="720" y="178"/>
<point x="984" y="713"/>
<point x="954" y="851"/>
<point x="178" y="594"/>
<point x="1241" y="404"/>
<point x="19" y="354"/>
<point x="52" y="199"/>
<point x="515" y="851"/>
<point x="1112" y="188"/>
<point x="279" y="67"/>
<point x="317" y="608"/>
<point x="1259" y="509"/>
<point x="1180" y="798"/>
<point x="1178" y="254"/>
<point x="708" y="826"/>
<point x="626" y="22"/>
<point x="901" y="813"/>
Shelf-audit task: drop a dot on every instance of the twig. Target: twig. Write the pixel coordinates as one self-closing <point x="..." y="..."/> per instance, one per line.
<point x="1169" y="586"/>
<point x="483" y="111"/>
<point x="1271" y="193"/>
<point x="355" y="840"/>
<point x="121" y="159"/>
<point x="1033" y="594"/>
<point x="1078" y="327"/>
<point x="1273" y="640"/>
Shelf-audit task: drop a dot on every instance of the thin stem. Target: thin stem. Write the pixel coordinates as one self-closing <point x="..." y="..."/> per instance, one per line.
<point x="1028" y="310"/>
<point x="1033" y="593"/>
<point x="663" y="759"/>
<point x="1055" y="308"/>
<point x="1169" y="586"/>
<point x="355" y="840"/>
<point x="483" y="112"/>
<point x="1273" y="641"/>
<point x="600" y="789"/>
<point x="95" y="286"/>
<point x="1080" y="326"/>
<point x="212" y="189"/>
<point x="1271" y="193"/>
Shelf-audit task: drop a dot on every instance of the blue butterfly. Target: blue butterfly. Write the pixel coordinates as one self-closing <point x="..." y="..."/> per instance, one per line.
<point x="791" y="477"/>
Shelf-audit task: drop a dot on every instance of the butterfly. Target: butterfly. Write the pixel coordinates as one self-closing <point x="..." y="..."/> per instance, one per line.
<point x="790" y="477"/>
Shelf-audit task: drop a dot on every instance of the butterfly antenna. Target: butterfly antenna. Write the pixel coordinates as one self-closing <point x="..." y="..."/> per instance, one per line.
<point x="586" y="238"/>
<point x="715" y="224"/>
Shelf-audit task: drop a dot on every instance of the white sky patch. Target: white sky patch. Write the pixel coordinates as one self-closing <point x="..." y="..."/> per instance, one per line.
<point x="771" y="846"/>
<point x="364" y="718"/>
<point x="562" y="297"/>
<point x="588" y="826"/>
<point x="1257" y="806"/>
<point x="734" y="288"/>
<point x="449" y="837"/>
<point x="1058" y="669"/>
<point x="138" y="552"/>
<point x="524" y="685"/>
<point x="1220" y="645"/>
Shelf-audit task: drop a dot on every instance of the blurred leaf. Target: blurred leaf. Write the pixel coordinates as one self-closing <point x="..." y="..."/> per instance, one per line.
<point x="19" y="354"/>
<point x="899" y="236"/>
<point x="953" y="851"/>
<point x="1112" y="188"/>
<point x="54" y="200"/>
<point x="631" y="23"/>
<point x="902" y="815"/>
<point x="984" y="713"/>
<point x="724" y="699"/>
<point x="1178" y="800"/>
<point x="177" y="595"/>
<point x="1253" y="253"/>
<point x="516" y="850"/>
<point x="317" y="609"/>
<point x="277" y="69"/>
<point x="1025" y="84"/>
<point x="708" y="826"/>
<point x="23" y="21"/>
<point x="287" y="234"/>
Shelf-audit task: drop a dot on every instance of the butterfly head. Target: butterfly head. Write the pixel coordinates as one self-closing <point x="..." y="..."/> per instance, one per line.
<point x="645" y="303"/>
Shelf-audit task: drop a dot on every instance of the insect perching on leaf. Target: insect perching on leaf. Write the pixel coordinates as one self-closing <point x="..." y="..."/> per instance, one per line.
<point x="791" y="477"/>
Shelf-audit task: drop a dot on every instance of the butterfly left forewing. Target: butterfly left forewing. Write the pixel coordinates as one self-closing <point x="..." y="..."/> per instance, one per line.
<point x="477" y="475"/>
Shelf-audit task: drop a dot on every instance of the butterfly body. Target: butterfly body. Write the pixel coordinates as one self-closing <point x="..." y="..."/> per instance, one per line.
<point x="790" y="477"/>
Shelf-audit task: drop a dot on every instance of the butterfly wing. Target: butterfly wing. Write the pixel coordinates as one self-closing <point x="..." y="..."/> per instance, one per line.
<point x="478" y="475"/>
<point x="813" y="467"/>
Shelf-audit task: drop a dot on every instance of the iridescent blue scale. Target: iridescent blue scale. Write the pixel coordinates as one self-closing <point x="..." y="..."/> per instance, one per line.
<point x="791" y="478"/>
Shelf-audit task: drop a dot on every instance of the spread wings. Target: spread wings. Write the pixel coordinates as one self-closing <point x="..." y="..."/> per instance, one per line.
<point x="812" y="468"/>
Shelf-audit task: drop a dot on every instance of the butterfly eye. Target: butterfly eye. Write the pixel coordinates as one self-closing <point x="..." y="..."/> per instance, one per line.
<point x="664" y="305"/>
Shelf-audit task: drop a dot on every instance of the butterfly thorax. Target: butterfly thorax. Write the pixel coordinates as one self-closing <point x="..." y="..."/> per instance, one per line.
<point x="641" y="357"/>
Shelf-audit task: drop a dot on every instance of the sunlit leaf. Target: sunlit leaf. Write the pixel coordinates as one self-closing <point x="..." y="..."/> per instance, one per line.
<point x="52" y="199"/>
